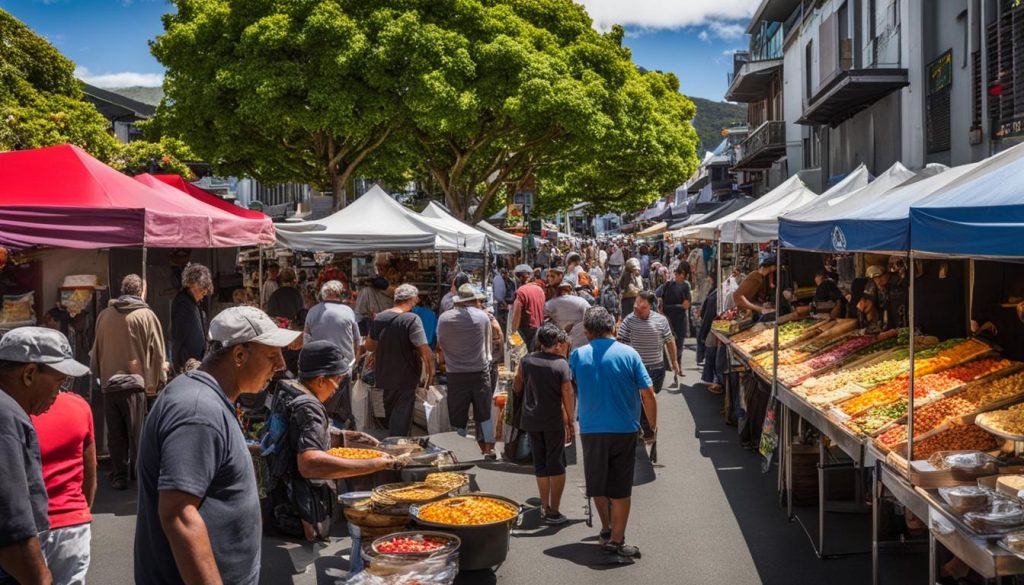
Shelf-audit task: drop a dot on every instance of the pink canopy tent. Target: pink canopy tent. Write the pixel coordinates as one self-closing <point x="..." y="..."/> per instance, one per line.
<point x="209" y="198"/>
<point x="61" y="196"/>
<point x="228" y="227"/>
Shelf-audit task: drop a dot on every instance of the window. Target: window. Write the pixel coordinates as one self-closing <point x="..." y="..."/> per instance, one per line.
<point x="808" y="68"/>
<point x="937" y="105"/>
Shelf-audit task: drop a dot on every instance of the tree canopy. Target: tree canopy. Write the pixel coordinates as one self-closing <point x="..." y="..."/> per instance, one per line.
<point x="40" y="100"/>
<point x="468" y="96"/>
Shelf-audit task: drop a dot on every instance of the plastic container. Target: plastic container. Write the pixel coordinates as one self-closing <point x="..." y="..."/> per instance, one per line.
<point x="1001" y="515"/>
<point x="965" y="465"/>
<point x="966" y="498"/>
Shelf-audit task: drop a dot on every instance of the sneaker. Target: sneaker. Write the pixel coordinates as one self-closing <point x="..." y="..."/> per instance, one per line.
<point x="119" y="483"/>
<point x="554" y="519"/>
<point x="491" y="456"/>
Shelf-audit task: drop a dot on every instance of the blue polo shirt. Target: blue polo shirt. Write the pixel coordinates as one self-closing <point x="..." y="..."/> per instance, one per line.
<point x="609" y="376"/>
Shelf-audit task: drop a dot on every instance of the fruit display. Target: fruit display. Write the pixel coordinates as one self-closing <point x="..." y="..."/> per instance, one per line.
<point x="876" y="418"/>
<point x="350" y="453"/>
<point x="946" y="358"/>
<point x="1009" y="421"/>
<point x="995" y="390"/>
<point x="840" y="351"/>
<point x="927" y="419"/>
<point x="411" y="545"/>
<point x="467" y="511"/>
<point x="956" y="438"/>
<point x="924" y="387"/>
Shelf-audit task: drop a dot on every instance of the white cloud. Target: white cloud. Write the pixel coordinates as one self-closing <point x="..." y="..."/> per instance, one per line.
<point x="703" y="35"/>
<point x="726" y="30"/>
<point x="670" y="14"/>
<point x="121" y="79"/>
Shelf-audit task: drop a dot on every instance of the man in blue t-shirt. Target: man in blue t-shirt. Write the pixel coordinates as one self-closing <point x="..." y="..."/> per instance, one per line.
<point x="613" y="387"/>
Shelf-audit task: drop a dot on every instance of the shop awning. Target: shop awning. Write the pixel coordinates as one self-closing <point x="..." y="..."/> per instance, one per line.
<point x="373" y="221"/>
<point x="858" y="225"/>
<point x="708" y="228"/>
<point x="849" y="193"/>
<point x="762" y="224"/>
<point x="654" y="230"/>
<point x="505" y="243"/>
<point x="980" y="214"/>
<point x="61" y="196"/>
<point x="228" y="229"/>
<point x="468" y="237"/>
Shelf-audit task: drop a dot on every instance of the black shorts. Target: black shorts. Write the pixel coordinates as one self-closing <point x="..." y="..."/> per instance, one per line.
<point x="608" y="461"/>
<point x="469" y="390"/>
<point x="548" y="448"/>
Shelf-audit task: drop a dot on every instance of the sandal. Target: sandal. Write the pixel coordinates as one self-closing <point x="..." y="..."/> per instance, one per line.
<point x="715" y="388"/>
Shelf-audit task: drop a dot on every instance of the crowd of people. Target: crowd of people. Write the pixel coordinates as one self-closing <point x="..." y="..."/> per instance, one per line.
<point x="604" y="324"/>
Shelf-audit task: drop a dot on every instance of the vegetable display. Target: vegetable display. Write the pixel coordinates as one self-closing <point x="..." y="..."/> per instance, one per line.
<point x="407" y="545"/>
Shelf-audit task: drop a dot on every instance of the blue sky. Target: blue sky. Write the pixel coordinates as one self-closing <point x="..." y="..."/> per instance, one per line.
<point x="108" y="39"/>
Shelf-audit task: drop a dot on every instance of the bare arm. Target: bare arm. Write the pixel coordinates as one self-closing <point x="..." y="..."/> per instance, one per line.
<point x="371" y="344"/>
<point x="89" y="478"/>
<point x="427" y="360"/>
<point x="650" y="404"/>
<point x="24" y="561"/>
<point x="315" y="464"/>
<point x="568" y="409"/>
<point x="517" y="315"/>
<point x="673" y="358"/>
<point x="745" y="304"/>
<point x="189" y="541"/>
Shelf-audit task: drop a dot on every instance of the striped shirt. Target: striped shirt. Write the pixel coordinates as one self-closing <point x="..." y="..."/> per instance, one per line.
<point x="647" y="337"/>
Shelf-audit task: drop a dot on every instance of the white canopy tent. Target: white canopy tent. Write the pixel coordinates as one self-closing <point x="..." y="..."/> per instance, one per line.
<point x="467" y="237"/>
<point x="710" y="230"/>
<point x="851" y="189"/>
<point x="762" y="224"/>
<point x="375" y="221"/>
<point x="504" y="242"/>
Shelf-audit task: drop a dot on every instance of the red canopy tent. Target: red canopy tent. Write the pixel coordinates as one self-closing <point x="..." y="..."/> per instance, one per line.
<point x="230" y="225"/>
<point x="61" y="196"/>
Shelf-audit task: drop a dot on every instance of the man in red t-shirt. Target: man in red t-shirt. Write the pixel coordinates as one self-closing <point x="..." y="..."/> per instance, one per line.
<point x="528" y="310"/>
<point x="69" y="472"/>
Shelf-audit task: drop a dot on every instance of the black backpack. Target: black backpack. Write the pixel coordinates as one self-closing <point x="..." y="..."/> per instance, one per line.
<point x="275" y="444"/>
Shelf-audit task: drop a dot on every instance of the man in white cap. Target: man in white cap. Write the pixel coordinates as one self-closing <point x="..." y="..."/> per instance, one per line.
<point x="34" y="363"/>
<point x="198" y="513"/>
<point x="464" y="349"/>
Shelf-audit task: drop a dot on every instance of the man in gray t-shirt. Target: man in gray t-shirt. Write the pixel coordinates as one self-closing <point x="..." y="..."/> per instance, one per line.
<point x="567" y="311"/>
<point x="335" y="322"/>
<point x="464" y="347"/>
<point x="198" y="516"/>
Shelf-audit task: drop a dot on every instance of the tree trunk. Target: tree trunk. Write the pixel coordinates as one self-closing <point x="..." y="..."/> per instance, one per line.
<point x="338" y="190"/>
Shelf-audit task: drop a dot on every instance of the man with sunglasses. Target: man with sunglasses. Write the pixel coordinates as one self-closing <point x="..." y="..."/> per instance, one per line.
<point x="301" y="470"/>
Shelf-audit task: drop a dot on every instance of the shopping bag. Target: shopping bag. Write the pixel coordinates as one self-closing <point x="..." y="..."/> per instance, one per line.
<point x="643" y="469"/>
<point x="361" y="404"/>
<point x="435" y="407"/>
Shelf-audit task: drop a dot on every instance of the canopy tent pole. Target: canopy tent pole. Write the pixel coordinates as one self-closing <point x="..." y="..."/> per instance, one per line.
<point x="259" y="293"/>
<point x="970" y="294"/>
<point x="913" y="339"/>
<point x="440" y="286"/>
<point x="144" y="251"/>
<point x="718" y="280"/>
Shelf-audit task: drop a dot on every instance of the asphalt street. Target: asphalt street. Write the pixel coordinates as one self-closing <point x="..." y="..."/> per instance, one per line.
<point x="711" y="518"/>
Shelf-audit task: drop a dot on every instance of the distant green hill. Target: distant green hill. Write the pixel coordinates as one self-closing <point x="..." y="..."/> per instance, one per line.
<point x="712" y="117"/>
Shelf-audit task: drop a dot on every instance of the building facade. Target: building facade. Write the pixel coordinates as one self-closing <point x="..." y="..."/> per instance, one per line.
<point x="876" y="82"/>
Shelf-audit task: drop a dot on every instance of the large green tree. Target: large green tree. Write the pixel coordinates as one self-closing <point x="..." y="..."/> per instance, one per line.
<point x="40" y="101"/>
<point x="468" y="96"/>
<point x="278" y="90"/>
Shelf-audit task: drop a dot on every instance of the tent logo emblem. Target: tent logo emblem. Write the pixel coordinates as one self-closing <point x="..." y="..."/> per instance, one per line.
<point x="838" y="239"/>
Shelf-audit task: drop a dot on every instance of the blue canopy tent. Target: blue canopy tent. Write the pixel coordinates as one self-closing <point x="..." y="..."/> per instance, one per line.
<point x="980" y="215"/>
<point x="878" y="222"/>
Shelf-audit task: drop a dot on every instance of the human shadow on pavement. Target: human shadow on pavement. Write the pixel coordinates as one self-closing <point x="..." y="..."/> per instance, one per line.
<point x="588" y="555"/>
<point x="481" y="577"/>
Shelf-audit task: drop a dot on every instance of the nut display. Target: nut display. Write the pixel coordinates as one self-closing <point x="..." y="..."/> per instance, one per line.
<point x="956" y="438"/>
<point x="995" y="391"/>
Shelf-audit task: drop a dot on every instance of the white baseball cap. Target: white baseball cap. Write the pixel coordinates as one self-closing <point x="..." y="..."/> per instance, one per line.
<point x="39" y="345"/>
<point x="237" y="325"/>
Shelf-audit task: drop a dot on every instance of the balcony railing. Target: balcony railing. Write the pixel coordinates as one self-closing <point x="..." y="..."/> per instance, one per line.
<point x="764" y="146"/>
